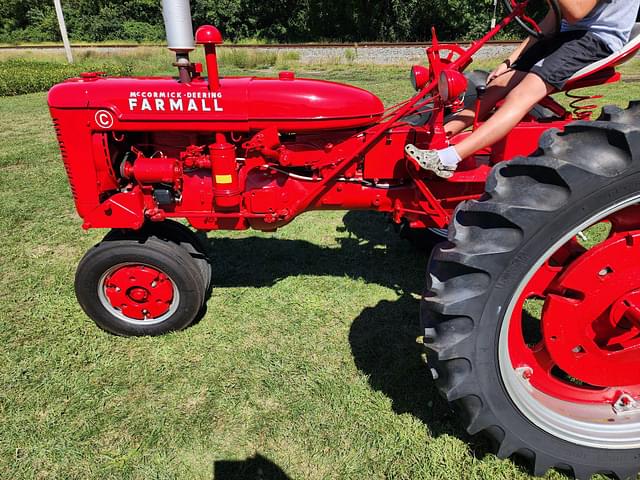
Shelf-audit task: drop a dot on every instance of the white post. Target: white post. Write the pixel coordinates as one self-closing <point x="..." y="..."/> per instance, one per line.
<point x="495" y="11"/>
<point x="63" y="30"/>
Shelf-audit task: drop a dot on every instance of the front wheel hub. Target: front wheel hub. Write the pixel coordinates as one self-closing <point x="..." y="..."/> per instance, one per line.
<point x="137" y="292"/>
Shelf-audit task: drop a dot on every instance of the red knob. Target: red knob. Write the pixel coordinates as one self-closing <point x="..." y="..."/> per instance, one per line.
<point x="285" y="75"/>
<point x="208" y="35"/>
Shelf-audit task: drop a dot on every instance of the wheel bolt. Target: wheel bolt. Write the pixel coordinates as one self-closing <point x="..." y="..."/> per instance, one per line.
<point x="525" y="372"/>
<point x="604" y="272"/>
<point x="625" y="403"/>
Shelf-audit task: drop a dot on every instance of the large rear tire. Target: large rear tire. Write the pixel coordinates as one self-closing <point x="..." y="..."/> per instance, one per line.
<point x="531" y="331"/>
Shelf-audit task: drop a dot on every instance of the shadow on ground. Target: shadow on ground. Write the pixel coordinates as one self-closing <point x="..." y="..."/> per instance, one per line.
<point x="253" y="468"/>
<point x="372" y="252"/>
<point x="382" y="337"/>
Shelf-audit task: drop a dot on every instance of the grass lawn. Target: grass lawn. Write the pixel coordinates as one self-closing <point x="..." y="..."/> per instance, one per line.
<point x="305" y="362"/>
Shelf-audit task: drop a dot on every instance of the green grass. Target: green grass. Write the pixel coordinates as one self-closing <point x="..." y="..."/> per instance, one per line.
<point x="305" y="357"/>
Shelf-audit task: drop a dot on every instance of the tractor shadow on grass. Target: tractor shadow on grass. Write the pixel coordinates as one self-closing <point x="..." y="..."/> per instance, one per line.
<point x="382" y="337"/>
<point x="382" y="340"/>
<point x="372" y="252"/>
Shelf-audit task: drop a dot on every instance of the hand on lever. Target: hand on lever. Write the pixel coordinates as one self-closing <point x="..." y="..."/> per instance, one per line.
<point x="499" y="70"/>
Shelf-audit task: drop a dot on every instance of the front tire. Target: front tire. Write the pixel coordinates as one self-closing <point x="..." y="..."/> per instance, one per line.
<point x="136" y="287"/>
<point x="558" y="389"/>
<point x="177" y="233"/>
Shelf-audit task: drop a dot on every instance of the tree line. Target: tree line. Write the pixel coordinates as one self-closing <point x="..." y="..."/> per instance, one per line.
<point x="264" y="20"/>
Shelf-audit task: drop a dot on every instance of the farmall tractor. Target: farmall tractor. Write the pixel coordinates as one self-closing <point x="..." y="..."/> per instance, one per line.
<point x="531" y="315"/>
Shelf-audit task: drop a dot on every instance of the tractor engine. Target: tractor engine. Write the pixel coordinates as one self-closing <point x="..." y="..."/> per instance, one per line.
<point x="222" y="152"/>
<point x="236" y="152"/>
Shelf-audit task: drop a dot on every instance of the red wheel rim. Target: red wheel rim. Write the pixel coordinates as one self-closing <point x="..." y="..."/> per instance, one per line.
<point x="587" y="340"/>
<point x="138" y="293"/>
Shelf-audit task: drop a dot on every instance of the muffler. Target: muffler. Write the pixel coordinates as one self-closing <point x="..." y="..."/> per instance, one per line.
<point x="179" y="30"/>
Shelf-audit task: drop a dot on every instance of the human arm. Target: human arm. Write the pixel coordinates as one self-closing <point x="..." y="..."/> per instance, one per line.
<point x="548" y="26"/>
<point x="575" y="10"/>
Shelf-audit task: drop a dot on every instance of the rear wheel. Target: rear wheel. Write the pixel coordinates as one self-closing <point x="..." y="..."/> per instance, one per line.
<point x="136" y="287"/>
<point x="532" y="313"/>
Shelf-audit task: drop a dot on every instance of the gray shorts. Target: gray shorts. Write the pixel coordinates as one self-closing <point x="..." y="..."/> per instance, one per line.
<point x="556" y="59"/>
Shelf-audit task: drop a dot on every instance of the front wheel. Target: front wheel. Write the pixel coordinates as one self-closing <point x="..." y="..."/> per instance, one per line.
<point x="532" y="312"/>
<point x="172" y="231"/>
<point x="135" y="287"/>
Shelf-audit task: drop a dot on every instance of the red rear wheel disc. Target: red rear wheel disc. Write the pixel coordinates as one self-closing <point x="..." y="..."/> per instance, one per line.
<point x="575" y="330"/>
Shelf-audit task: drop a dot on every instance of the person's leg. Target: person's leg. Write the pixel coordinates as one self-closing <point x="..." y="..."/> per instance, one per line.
<point x="551" y="64"/>
<point x="496" y="91"/>
<point x="520" y="100"/>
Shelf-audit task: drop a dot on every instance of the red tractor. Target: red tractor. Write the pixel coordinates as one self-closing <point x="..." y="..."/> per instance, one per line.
<point x="533" y="332"/>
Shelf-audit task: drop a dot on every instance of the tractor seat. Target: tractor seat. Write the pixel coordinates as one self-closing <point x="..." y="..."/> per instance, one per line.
<point x="604" y="71"/>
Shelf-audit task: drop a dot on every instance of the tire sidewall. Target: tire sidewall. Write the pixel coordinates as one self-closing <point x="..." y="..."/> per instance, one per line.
<point x="187" y="239"/>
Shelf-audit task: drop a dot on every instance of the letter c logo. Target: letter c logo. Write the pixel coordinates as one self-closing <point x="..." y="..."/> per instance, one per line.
<point x="104" y="119"/>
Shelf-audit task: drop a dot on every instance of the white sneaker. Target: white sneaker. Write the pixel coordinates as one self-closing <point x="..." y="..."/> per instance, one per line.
<point x="429" y="160"/>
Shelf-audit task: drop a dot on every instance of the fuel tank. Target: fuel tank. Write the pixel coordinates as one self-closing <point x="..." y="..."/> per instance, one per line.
<point x="240" y="104"/>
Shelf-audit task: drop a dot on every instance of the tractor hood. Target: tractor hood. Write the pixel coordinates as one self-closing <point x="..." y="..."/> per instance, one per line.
<point x="241" y="103"/>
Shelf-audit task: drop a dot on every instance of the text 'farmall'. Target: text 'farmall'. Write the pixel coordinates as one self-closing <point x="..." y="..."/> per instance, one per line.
<point x="172" y="101"/>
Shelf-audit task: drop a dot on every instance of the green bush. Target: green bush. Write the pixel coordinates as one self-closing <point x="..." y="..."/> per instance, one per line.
<point x="273" y="21"/>
<point x="18" y="77"/>
<point x="141" y="31"/>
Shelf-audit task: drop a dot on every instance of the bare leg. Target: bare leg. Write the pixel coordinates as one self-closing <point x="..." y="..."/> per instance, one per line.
<point x="529" y="91"/>
<point x="520" y="100"/>
<point x="496" y="91"/>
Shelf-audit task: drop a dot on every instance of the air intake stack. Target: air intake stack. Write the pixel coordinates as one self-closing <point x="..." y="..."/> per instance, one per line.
<point x="177" y="24"/>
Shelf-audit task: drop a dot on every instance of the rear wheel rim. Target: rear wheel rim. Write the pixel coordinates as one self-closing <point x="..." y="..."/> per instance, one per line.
<point x="593" y="414"/>
<point x="138" y="294"/>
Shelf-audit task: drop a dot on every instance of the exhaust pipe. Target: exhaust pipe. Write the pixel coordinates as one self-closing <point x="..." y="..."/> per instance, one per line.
<point x="179" y="30"/>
